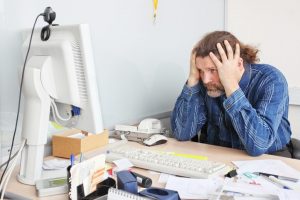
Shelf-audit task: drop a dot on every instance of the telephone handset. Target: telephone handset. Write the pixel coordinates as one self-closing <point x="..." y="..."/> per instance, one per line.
<point x="150" y="125"/>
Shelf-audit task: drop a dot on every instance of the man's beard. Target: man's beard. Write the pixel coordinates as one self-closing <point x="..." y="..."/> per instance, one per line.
<point x="214" y="90"/>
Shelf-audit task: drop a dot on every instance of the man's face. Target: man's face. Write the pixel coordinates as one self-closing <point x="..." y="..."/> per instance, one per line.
<point x="209" y="76"/>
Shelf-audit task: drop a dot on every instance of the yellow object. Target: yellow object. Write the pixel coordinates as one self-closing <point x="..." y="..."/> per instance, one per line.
<point x="197" y="157"/>
<point x="155" y="3"/>
<point x="56" y="125"/>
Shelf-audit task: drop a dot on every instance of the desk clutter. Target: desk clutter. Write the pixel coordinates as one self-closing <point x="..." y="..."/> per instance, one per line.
<point x="107" y="176"/>
<point x="125" y="188"/>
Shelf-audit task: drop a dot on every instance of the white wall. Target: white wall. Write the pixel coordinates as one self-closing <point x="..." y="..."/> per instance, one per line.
<point x="294" y="112"/>
<point x="272" y="26"/>
<point x="141" y="67"/>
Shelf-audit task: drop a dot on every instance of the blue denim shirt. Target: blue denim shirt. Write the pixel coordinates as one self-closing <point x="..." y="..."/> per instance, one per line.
<point x="254" y="117"/>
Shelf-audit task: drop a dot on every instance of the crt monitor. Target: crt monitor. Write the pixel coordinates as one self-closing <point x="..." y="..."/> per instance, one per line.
<point x="60" y="85"/>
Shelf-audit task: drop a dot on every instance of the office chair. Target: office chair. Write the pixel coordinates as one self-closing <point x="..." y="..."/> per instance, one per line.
<point x="295" y="150"/>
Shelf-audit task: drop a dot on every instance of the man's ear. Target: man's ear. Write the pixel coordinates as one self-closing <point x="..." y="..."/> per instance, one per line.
<point x="241" y="63"/>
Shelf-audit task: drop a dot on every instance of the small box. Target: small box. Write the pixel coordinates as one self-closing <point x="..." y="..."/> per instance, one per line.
<point x="126" y="181"/>
<point x="74" y="141"/>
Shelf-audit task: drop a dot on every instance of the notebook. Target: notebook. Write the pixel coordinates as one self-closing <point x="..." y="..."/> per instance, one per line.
<point x="115" y="194"/>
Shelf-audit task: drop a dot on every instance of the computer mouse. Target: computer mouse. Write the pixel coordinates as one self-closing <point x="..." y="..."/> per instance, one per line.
<point x="155" y="140"/>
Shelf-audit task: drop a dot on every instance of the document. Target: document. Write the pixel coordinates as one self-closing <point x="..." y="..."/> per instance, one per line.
<point x="54" y="164"/>
<point x="240" y="191"/>
<point x="123" y="164"/>
<point x="189" y="188"/>
<point x="276" y="167"/>
<point x="89" y="173"/>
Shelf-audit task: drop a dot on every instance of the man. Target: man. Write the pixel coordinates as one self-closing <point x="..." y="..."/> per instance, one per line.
<point x="242" y="104"/>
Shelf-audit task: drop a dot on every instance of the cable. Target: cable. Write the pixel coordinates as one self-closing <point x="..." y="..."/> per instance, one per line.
<point x="19" y="101"/>
<point x="10" y="170"/>
<point x="45" y="33"/>
<point x="8" y="159"/>
<point x="55" y="112"/>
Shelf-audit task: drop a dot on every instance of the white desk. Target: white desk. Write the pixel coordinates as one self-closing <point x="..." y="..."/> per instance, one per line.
<point x="216" y="153"/>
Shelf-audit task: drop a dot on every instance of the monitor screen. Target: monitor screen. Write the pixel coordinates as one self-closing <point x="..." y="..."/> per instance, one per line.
<point x="60" y="85"/>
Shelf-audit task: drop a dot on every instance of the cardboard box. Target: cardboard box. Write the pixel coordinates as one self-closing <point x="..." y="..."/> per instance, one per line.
<point x="72" y="142"/>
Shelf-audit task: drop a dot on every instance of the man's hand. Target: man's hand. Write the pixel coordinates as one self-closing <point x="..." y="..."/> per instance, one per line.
<point x="231" y="68"/>
<point x="194" y="76"/>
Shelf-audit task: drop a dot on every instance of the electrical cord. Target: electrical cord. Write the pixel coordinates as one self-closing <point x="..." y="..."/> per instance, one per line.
<point x="56" y="113"/>
<point x="3" y="164"/>
<point x="19" y="101"/>
<point x="10" y="170"/>
<point x="45" y="33"/>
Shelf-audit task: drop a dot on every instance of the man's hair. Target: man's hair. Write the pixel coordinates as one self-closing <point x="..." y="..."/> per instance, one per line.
<point x="209" y="44"/>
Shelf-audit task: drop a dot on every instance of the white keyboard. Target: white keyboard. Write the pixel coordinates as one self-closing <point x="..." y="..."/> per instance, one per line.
<point x="167" y="163"/>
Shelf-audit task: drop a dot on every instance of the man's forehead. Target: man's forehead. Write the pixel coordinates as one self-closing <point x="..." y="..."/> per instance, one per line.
<point x="205" y="63"/>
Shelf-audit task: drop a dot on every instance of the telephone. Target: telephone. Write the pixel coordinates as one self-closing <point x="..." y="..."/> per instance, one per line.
<point x="144" y="130"/>
<point x="150" y="125"/>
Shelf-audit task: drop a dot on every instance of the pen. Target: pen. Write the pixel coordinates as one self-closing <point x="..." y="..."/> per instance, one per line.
<point x="72" y="159"/>
<point x="277" y="181"/>
<point x="277" y="176"/>
<point x="273" y="180"/>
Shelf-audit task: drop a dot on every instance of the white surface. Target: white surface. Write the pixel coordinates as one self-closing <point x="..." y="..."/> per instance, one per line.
<point x="294" y="111"/>
<point x="115" y="194"/>
<point x="273" y="26"/>
<point x="294" y="120"/>
<point x="276" y="167"/>
<point x="294" y="93"/>
<point x="141" y="67"/>
<point x="150" y="125"/>
<point x="189" y="188"/>
<point x="242" y="191"/>
<point x="119" y="127"/>
<point x="54" y="164"/>
<point x="123" y="164"/>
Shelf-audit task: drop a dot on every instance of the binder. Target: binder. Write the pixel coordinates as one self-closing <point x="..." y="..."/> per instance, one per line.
<point x="115" y="194"/>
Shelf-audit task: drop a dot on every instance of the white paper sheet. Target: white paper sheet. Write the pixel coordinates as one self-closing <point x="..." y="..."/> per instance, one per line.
<point x="163" y="178"/>
<point x="122" y="164"/>
<point x="189" y="188"/>
<point x="276" y="167"/>
<point x="55" y="164"/>
<point x="84" y="173"/>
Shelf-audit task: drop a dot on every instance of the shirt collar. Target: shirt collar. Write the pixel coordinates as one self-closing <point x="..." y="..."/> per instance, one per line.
<point x="244" y="82"/>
